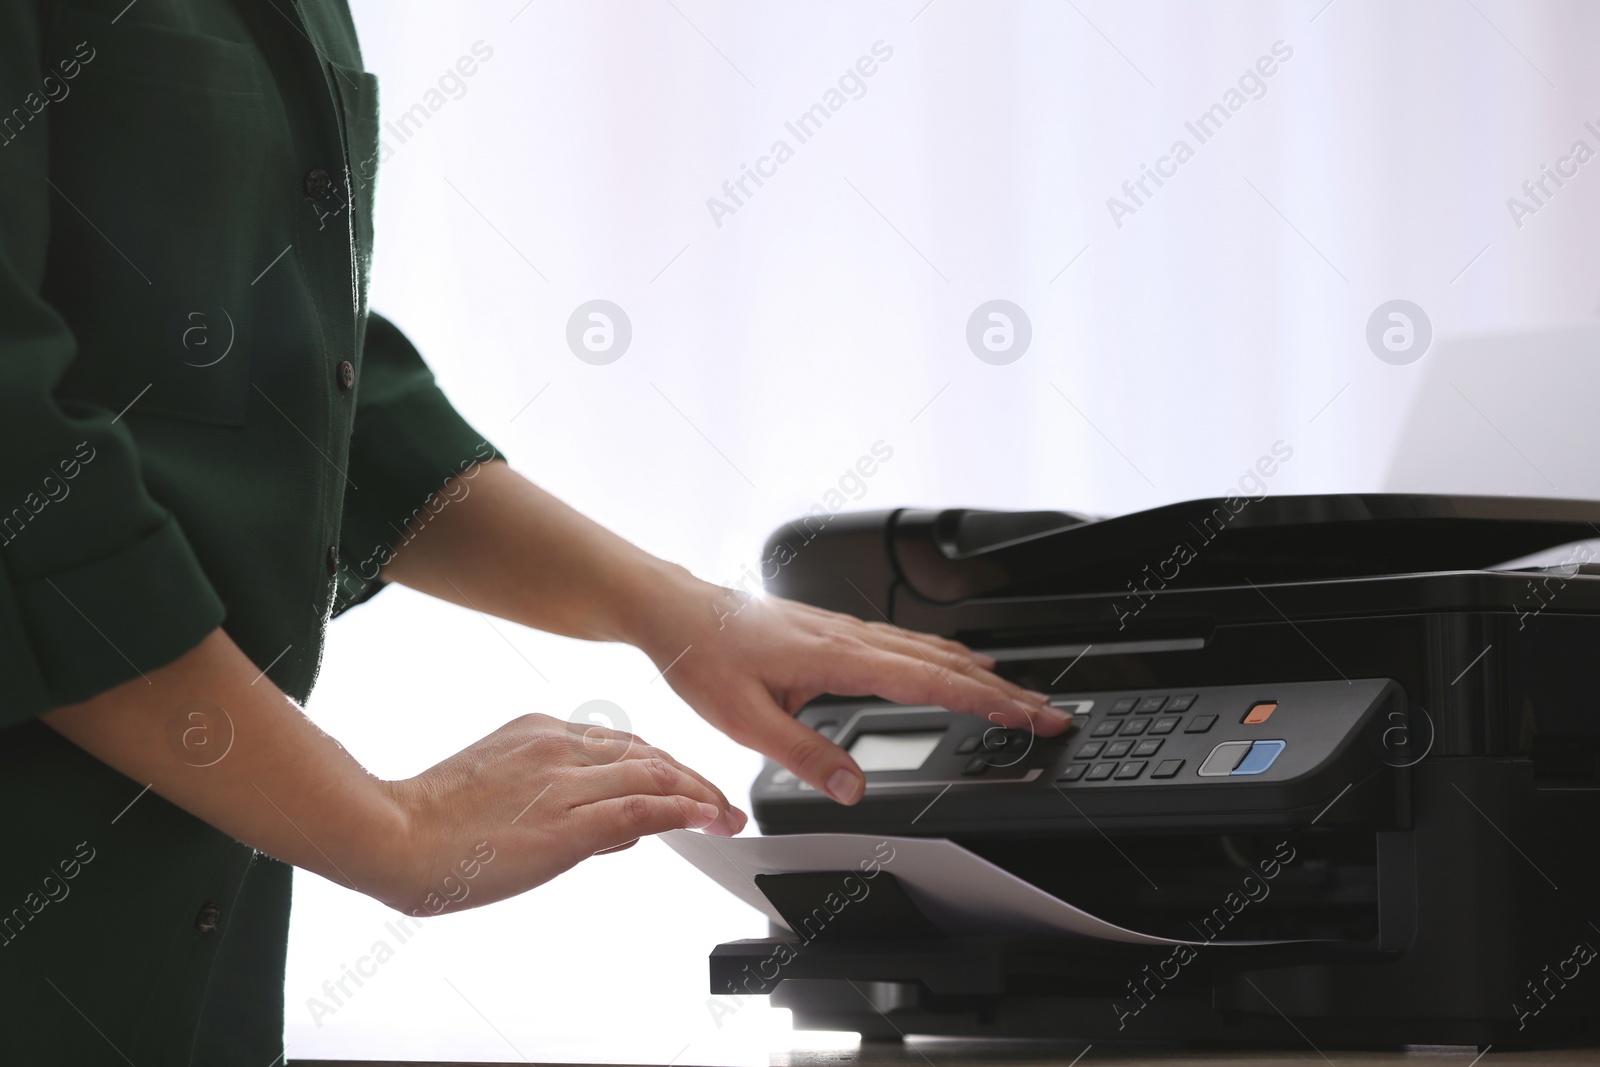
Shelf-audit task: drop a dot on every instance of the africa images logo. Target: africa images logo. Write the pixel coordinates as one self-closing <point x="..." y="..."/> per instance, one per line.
<point x="999" y="332"/>
<point x="599" y="332"/>
<point x="1399" y="332"/>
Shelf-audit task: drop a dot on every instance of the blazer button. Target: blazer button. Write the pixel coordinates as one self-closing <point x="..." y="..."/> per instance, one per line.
<point x="347" y="375"/>
<point x="208" y="918"/>
<point x="333" y="561"/>
<point x="319" y="184"/>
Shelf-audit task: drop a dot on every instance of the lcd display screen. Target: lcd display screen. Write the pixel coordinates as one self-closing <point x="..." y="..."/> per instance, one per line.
<point x="905" y="750"/>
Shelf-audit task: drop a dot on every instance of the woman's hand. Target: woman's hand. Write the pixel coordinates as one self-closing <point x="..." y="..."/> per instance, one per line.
<point x="532" y="800"/>
<point x="511" y="811"/>
<point x="748" y="664"/>
<point x="512" y="550"/>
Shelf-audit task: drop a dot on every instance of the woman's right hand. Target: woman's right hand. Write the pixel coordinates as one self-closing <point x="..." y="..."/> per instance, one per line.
<point x="531" y="800"/>
<point x="210" y="734"/>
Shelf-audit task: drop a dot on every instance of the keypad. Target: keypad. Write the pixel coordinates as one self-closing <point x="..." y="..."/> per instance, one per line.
<point x="1126" y="758"/>
<point x="967" y="746"/>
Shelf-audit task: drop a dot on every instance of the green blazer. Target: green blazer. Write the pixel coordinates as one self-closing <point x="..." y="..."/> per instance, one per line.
<point x="200" y="425"/>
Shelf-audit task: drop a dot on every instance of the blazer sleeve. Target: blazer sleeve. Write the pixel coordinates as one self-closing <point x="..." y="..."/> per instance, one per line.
<point x="98" y="583"/>
<point x="407" y="443"/>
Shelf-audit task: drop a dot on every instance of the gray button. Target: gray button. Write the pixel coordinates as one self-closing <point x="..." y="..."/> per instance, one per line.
<point x="1224" y="758"/>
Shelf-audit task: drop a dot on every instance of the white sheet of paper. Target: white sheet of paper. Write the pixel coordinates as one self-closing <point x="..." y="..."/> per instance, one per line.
<point x="961" y="892"/>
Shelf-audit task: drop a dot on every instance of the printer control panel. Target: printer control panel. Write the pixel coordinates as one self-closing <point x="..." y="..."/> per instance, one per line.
<point x="1207" y="741"/>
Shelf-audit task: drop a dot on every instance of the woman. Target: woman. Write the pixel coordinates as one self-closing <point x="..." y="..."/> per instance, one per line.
<point x="209" y="447"/>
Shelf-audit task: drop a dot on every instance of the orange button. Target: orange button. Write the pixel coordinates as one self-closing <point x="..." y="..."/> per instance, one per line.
<point x="1260" y="713"/>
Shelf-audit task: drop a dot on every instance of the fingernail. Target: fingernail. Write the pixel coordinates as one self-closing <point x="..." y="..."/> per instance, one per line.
<point x="708" y="813"/>
<point x="1040" y="697"/>
<point x="1028" y="709"/>
<point x="985" y="660"/>
<point x="741" y="820"/>
<point x="844" y="786"/>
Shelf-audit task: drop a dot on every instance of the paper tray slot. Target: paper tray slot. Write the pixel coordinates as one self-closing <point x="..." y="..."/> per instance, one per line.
<point x="831" y="907"/>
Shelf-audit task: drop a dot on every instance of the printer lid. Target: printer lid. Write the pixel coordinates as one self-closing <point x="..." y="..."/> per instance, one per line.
<point x="955" y="554"/>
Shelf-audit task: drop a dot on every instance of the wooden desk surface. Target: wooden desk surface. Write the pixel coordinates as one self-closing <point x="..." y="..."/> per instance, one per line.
<point x="961" y="1053"/>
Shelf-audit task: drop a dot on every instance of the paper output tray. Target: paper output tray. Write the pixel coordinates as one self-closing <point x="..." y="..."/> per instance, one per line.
<point x="885" y="937"/>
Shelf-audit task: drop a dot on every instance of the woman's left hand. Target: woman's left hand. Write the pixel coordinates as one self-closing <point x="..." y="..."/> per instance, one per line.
<point x="748" y="664"/>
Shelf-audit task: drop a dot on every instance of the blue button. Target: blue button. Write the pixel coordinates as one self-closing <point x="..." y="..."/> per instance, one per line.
<point x="1260" y="757"/>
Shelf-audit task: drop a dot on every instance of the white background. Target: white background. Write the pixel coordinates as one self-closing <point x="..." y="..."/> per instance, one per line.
<point x="829" y="312"/>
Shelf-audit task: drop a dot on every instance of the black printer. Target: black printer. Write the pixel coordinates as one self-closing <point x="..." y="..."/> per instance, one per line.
<point x="1351" y="728"/>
